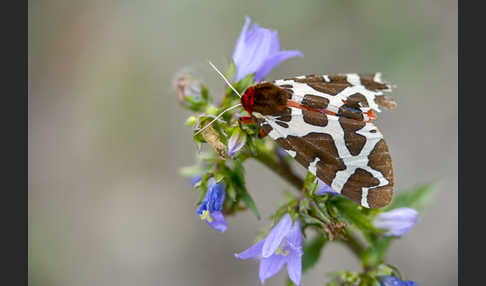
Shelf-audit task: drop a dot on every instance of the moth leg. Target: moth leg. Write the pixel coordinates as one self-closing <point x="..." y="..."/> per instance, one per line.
<point x="246" y="120"/>
<point x="262" y="133"/>
<point x="371" y="115"/>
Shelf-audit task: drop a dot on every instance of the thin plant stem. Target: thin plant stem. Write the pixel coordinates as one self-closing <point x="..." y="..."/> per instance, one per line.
<point x="274" y="165"/>
<point x="352" y="241"/>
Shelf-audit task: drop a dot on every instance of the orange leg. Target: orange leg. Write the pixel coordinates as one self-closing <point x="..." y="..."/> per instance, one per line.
<point x="262" y="133"/>
<point x="371" y="115"/>
<point x="246" y="120"/>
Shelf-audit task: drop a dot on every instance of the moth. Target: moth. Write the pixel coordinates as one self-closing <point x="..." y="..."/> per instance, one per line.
<point x="325" y="123"/>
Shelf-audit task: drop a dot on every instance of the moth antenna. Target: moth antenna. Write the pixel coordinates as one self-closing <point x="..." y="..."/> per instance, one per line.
<point x="217" y="117"/>
<point x="224" y="78"/>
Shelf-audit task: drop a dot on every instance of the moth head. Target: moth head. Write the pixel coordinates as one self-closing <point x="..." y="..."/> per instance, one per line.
<point x="248" y="99"/>
<point x="265" y="98"/>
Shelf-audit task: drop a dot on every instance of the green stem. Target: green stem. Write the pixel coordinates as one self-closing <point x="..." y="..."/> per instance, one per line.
<point x="352" y="241"/>
<point x="316" y="209"/>
<point x="274" y="164"/>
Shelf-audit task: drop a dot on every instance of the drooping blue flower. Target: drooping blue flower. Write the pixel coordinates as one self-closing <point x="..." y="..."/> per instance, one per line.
<point x="394" y="281"/>
<point x="283" y="245"/>
<point x="236" y="142"/>
<point x="397" y="222"/>
<point x="323" y="188"/>
<point x="195" y="180"/>
<point x="257" y="51"/>
<point x="211" y="206"/>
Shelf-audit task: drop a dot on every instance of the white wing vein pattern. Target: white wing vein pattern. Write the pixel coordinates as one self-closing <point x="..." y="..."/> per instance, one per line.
<point x="298" y="127"/>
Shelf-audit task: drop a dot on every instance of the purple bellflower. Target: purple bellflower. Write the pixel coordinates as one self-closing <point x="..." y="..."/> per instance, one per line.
<point x="397" y="222"/>
<point x="394" y="281"/>
<point x="281" y="152"/>
<point x="212" y="206"/>
<point x="236" y="142"/>
<point x="283" y="245"/>
<point x="258" y="51"/>
<point x="323" y="188"/>
<point x="195" y="180"/>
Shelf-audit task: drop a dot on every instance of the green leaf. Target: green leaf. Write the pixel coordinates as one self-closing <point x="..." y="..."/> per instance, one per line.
<point x="238" y="180"/>
<point x="312" y="252"/>
<point x="190" y="171"/>
<point x="248" y="200"/>
<point x="310" y="183"/>
<point x="231" y="193"/>
<point x="351" y="212"/>
<point x="344" y="278"/>
<point x="191" y="120"/>
<point x="415" y="198"/>
<point x="197" y="102"/>
<point x="289" y="282"/>
<point x="245" y="83"/>
<point x="308" y="220"/>
<point x="205" y="94"/>
<point x="289" y="201"/>
<point x="368" y="280"/>
<point x="218" y="177"/>
<point x="383" y="270"/>
<point x="304" y="206"/>
<point x="231" y="71"/>
<point x="238" y="174"/>
<point x="375" y="255"/>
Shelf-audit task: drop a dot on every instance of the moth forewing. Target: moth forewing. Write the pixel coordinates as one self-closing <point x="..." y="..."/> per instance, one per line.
<point x="340" y="94"/>
<point x="325" y="125"/>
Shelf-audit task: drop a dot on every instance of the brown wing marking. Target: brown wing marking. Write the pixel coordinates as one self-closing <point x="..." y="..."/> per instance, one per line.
<point x="368" y="80"/>
<point x="312" y="146"/>
<point x="380" y="160"/>
<point x="319" y="83"/>
<point x="354" y="142"/>
<point x="314" y="101"/>
<point x="314" y="118"/>
<point x="359" y="179"/>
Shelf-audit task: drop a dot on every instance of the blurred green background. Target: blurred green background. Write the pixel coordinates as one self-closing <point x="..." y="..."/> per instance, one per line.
<point x="107" y="137"/>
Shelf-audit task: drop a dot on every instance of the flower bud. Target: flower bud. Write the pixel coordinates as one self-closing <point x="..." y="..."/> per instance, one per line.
<point x="236" y="141"/>
<point x="397" y="222"/>
<point x="323" y="188"/>
<point x="190" y="91"/>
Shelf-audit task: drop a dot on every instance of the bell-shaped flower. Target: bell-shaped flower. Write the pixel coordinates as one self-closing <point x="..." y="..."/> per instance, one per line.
<point x="323" y="188"/>
<point x="211" y="206"/>
<point x="258" y="51"/>
<point x="236" y="142"/>
<point x="394" y="281"/>
<point x="194" y="180"/>
<point x="397" y="222"/>
<point x="283" y="245"/>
